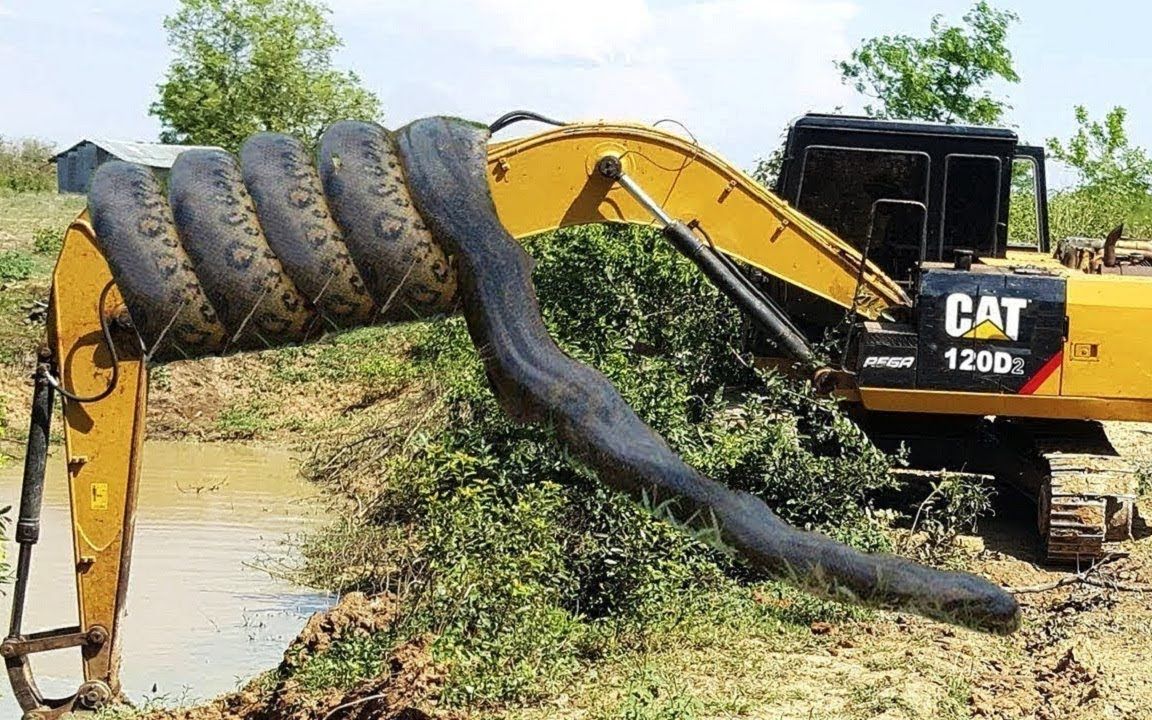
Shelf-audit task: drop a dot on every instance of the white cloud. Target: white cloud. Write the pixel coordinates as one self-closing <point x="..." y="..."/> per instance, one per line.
<point x="733" y="71"/>
<point x="597" y="31"/>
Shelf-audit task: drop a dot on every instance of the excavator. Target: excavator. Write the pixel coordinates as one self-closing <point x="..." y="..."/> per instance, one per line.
<point x="892" y="236"/>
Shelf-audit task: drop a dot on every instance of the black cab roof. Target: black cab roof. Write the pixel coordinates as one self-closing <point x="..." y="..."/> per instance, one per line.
<point x="855" y="123"/>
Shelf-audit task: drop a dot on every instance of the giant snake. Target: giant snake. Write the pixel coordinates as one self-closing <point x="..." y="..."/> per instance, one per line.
<point x="399" y="226"/>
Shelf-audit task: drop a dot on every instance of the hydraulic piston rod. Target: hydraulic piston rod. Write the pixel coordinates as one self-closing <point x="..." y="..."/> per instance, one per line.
<point x="719" y="270"/>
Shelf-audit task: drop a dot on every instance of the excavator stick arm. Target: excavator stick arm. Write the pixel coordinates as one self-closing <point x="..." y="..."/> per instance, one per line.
<point x="103" y="436"/>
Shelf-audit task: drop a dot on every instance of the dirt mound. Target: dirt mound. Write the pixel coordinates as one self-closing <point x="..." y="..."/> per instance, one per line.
<point x="356" y="615"/>
<point x="406" y="688"/>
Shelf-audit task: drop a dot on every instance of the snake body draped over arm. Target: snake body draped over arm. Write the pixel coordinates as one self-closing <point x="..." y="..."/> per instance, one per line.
<point x="400" y="211"/>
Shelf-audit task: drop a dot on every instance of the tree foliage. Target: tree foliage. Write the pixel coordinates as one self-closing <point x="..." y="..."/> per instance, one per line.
<point x="24" y="165"/>
<point x="941" y="77"/>
<point x="1103" y="156"/>
<point x="1114" y="180"/>
<point x="1113" y="184"/>
<point x="244" y="66"/>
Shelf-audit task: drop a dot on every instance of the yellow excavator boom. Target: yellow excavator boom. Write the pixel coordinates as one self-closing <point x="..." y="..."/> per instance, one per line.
<point x="550" y="180"/>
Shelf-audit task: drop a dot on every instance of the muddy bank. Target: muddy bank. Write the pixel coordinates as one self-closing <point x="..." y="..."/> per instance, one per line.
<point x="405" y="688"/>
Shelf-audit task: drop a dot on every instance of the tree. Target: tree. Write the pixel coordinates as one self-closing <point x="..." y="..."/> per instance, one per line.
<point x="24" y="165"/>
<point x="941" y="77"/>
<point x="242" y="66"/>
<point x="767" y="169"/>
<point x="1104" y="157"/>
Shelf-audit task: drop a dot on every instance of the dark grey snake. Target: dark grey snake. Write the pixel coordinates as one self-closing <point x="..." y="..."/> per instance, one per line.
<point x="272" y="252"/>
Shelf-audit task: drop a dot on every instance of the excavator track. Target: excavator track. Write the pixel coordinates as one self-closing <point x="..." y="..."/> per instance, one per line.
<point x="1086" y="491"/>
<point x="1089" y="502"/>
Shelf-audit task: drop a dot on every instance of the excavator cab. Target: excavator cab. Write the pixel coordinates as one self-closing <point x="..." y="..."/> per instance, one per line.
<point x="908" y="193"/>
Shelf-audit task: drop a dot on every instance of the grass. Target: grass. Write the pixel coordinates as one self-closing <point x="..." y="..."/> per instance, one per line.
<point x="27" y="217"/>
<point x="374" y="358"/>
<point x="244" y="421"/>
<point x="768" y="669"/>
<point x="27" y="222"/>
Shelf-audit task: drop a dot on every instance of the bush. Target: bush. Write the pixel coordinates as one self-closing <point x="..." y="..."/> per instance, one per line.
<point x="46" y="241"/>
<point x="512" y="554"/>
<point x="24" y="166"/>
<point x="1081" y="212"/>
<point x="1114" y="178"/>
<point x="953" y="506"/>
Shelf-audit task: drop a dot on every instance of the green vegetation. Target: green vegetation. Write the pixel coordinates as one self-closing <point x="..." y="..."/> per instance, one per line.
<point x="47" y="241"/>
<point x="16" y="265"/>
<point x="24" y="166"/>
<point x="1103" y="156"/>
<point x="244" y="66"/>
<point x="952" y="507"/>
<point x="242" y="421"/>
<point x="27" y="223"/>
<point x="525" y="568"/>
<point x="941" y="77"/>
<point x="376" y="359"/>
<point x="27" y="217"/>
<point x="1114" y="181"/>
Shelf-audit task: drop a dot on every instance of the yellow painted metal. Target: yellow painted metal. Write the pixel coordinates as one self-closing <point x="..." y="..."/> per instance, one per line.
<point x="1021" y="257"/>
<point x="1108" y="354"/>
<point x="102" y="440"/>
<point x="1105" y="371"/>
<point x="1062" y="407"/>
<point x="550" y="180"/>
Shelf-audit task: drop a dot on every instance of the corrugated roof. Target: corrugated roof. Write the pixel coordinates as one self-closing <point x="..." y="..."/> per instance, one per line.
<point x="157" y="155"/>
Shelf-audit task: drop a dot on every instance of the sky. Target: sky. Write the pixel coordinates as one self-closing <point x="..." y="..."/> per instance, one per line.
<point x="734" y="72"/>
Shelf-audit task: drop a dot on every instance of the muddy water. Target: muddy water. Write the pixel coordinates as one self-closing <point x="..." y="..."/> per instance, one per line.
<point x="200" y="618"/>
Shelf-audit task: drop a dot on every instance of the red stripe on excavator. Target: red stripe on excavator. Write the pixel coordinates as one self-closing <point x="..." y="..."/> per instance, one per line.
<point x="1042" y="374"/>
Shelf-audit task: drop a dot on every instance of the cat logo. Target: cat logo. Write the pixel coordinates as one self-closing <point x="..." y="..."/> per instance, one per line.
<point x="984" y="318"/>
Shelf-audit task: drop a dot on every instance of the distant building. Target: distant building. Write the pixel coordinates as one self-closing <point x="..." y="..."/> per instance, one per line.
<point x="74" y="166"/>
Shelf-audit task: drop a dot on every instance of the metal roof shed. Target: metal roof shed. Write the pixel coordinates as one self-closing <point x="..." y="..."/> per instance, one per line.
<point x="74" y="166"/>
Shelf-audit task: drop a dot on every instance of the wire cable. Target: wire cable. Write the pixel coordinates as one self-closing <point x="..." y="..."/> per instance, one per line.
<point x="113" y="381"/>
<point x="516" y="116"/>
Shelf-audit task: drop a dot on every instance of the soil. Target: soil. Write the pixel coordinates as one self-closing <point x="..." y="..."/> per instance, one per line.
<point x="405" y="689"/>
<point x="1083" y="651"/>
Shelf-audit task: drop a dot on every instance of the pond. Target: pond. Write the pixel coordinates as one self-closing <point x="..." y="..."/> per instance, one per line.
<point x="202" y="617"/>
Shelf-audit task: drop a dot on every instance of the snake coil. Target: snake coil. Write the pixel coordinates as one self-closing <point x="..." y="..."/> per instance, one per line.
<point x="271" y="252"/>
